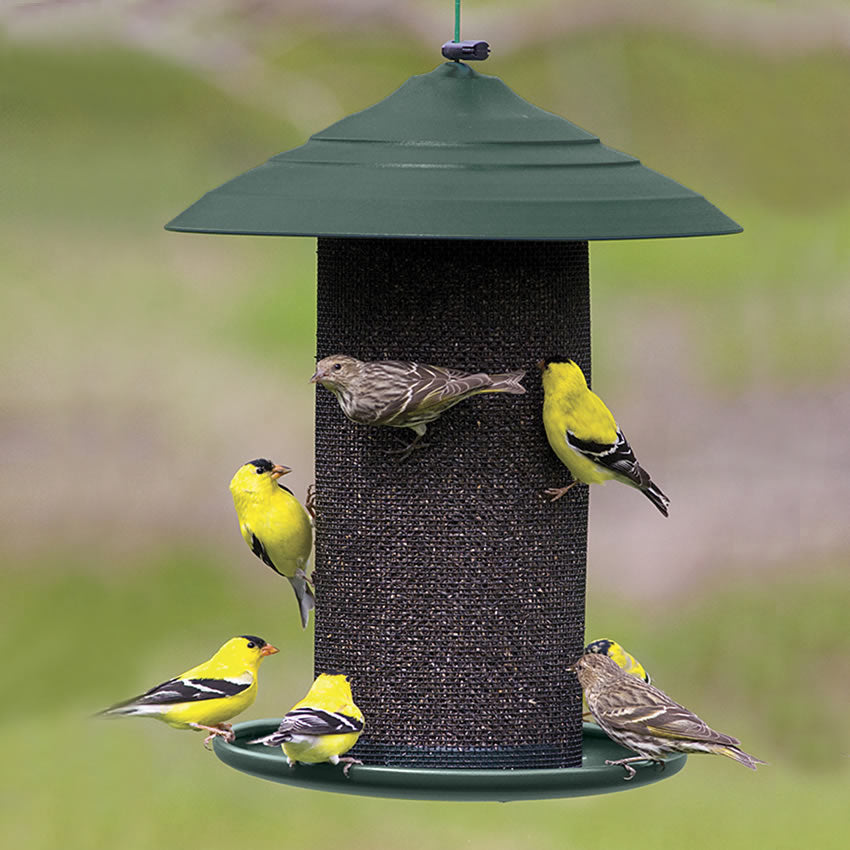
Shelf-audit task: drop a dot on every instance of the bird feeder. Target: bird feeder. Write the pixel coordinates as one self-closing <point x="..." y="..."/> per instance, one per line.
<point x="453" y="221"/>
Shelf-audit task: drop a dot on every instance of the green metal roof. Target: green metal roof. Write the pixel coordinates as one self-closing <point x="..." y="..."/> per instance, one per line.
<point x="454" y="154"/>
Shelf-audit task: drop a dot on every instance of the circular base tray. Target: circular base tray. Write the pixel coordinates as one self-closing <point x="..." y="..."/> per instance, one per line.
<point x="593" y="777"/>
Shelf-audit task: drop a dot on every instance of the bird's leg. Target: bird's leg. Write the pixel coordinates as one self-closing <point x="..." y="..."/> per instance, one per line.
<point x="348" y="761"/>
<point x="223" y="729"/>
<point x="557" y="492"/>
<point x="626" y="764"/>
<point x="406" y="451"/>
<point x="310" y="501"/>
<point x="301" y="573"/>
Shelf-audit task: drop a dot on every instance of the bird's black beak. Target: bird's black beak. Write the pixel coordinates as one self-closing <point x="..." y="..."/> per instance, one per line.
<point x="541" y="365"/>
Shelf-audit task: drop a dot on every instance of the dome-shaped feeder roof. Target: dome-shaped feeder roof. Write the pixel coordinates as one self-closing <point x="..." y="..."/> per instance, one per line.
<point x="454" y="154"/>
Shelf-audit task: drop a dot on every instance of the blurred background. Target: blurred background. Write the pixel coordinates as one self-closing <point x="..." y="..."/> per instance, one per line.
<point x="141" y="368"/>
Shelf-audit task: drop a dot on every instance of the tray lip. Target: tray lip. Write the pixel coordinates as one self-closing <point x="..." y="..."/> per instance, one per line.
<point x="472" y="784"/>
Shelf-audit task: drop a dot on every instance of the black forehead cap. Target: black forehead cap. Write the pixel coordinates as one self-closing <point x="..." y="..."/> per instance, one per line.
<point x="254" y="639"/>
<point x="334" y="673"/>
<point x="262" y="463"/>
<point x="599" y="646"/>
<point x="549" y="360"/>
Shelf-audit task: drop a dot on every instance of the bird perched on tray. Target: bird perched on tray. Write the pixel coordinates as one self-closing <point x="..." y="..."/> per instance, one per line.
<point x="625" y="660"/>
<point x="644" y="719"/>
<point x="402" y="394"/>
<point x="275" y="525"/>
<point x="322" y="727"/>
<point x="585" y="436"/>
<point x="204" y="697"/>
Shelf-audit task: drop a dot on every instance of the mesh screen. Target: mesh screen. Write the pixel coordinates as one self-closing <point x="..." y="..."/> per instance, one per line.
<point x="447" y="586"/>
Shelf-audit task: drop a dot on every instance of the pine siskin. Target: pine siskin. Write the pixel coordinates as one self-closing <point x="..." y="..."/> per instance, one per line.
<point x="644" y="719"/>
<point x="401" y="394"/>
<point x="585" y="436"/>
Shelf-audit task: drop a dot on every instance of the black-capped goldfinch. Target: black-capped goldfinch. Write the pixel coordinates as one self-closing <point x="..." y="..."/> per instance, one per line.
<point x="275" y="525"/>
<point x="322" y="727"/>
<point x="644" y="719"/>
<point x="583" y="433"/>
<point x="625" y="660"/>
<point x="402" y="394"/>
<point x="204" y="697"/>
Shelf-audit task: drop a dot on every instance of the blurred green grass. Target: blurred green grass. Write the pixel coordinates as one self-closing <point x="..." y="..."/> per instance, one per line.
<point x="763" y="666"/>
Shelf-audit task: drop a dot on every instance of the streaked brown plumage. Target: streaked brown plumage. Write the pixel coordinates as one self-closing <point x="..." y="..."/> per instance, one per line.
<point x="642" y="718"/>
<point x="402" y="394"/>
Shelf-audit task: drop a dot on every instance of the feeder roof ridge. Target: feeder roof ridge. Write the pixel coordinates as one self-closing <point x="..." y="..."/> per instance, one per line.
<point x="454" y="154"/>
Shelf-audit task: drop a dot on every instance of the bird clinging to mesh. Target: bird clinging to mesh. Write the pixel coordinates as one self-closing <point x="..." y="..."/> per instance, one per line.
<point x="402" y="394"/>
<point x="275" y="525"/>
<point x="583" y="433"/>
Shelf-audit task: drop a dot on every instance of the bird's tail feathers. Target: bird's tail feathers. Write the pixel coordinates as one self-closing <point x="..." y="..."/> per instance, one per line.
<point x="508" y="382"/>
<point x="654" y="494"/>
<point x="305" y="597"/>
<point x="273" y="740"/>
<point x="129" y="710"/>
<point x="740" y="756"/>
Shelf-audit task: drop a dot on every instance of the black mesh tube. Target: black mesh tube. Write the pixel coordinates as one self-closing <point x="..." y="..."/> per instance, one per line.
<point x="447" y="586"/>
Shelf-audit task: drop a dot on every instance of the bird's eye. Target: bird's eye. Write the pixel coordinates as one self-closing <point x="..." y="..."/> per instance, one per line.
<point x="259" y="471"/>
<point x="337" y="367"/>
<point x="251" y="644"/>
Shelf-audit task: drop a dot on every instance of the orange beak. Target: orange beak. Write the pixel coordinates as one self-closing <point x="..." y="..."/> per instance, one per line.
<point x="268" y="649"/>
<point x="278" y="470"/>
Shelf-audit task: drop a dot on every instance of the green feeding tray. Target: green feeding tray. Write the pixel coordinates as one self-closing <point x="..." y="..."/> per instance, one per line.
<point x="454" y="154"/>
<point x="593" y="777"/>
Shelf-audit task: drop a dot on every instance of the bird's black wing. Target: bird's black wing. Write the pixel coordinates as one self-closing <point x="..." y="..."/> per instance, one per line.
<point x="618" y="457"/>
<point x="312" y="721"/>
<point x="259" y="550"/>
<point x="185" y="690"/>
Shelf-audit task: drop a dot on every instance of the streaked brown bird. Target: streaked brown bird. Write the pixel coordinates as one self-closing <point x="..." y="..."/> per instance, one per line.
<point x="642" y="718"/>
<point x="402" y="394"/>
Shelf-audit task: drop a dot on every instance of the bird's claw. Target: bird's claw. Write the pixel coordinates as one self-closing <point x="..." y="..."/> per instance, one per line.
<point x="557" y="492"/>
<point x="310" y="501"/>
<point x="630" y="771"/>
<point x="405" y="451"/>
<point x="223" y="730"/>
<point x="349" y="761"/>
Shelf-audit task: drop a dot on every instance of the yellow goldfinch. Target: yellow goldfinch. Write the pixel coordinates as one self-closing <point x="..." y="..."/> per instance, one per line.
<point x="623" y="659"/>
<point x="322" y="727"/>
<point x="275" y="525"/>
<point x="617" y="654"/>
<point x="205" y="696"/>
<point x="585" y="436"/>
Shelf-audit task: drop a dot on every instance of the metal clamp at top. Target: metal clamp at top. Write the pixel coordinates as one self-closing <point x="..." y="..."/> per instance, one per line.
<point x="468" y="50"/>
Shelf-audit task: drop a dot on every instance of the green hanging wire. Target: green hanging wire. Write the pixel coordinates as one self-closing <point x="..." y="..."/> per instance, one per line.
<point x="457" y="20"/>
